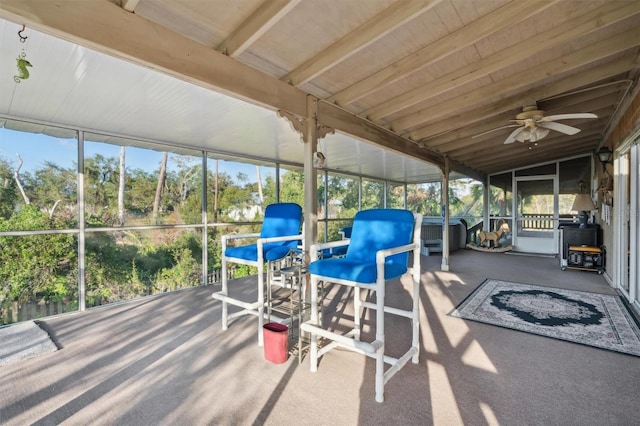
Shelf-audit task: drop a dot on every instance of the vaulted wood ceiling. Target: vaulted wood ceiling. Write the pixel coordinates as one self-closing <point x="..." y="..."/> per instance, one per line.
<point x="428" y="78"/>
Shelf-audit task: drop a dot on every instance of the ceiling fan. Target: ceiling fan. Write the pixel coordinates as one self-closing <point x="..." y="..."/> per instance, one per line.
<point x="532" y="125"/>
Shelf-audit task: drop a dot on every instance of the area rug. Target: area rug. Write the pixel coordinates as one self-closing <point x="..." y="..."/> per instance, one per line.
<point x="593" y="319"/>
<point x="22" y="341"/>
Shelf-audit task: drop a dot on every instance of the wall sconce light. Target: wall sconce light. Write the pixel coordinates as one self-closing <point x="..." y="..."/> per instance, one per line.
<point x="604" y="155"/>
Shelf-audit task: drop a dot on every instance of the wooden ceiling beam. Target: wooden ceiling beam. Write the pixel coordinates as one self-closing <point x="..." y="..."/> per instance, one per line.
<point x="599" y="91"/>
<point x="606" y="15"/>
<point x="460" y="148"/>
<point x="470" y="155"/>
<point x="464" y="132"/>
<point x="470" y="172"/>
<point x="561" y="85"/>
<point x="601" y="106"/>
<point x="534" y="75"/>
<point x="130" y="5"/>
<point x="372" y="30"/>
<point x="488" y="24"/>
<point x="107" y="28"/>
<point x="335" y="117"/>
<point x="537" y="153"/>
<point x="530" y="160"/>
<point x="259" y="22"/>
<point x="132" y="38"/>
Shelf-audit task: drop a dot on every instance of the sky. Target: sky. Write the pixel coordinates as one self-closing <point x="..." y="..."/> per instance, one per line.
<point x="36" y="149"/>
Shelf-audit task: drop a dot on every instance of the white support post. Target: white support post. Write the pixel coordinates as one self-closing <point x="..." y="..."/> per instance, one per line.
<point x="486" y="207"/>
<point x="310" y="174"/>
<point x="445" y="215"/>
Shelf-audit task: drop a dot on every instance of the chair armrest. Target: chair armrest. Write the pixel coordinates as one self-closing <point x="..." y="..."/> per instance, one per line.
<point x="278" y="239"/>
<point x="381" y="255"/>
<point x="318" y="247"/>
<point x="239" y="236"/>
<point x="262" y="241"/>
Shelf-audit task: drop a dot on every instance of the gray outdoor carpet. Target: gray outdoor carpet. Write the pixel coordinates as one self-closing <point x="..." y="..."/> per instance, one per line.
<point x="599" y="320"/>
<point x="22" y="341"/>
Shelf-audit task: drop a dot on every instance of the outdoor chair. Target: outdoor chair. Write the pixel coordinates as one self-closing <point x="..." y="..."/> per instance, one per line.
<point x="280" y="234"/>
<point x="379" y="248"/>
<point x="336" y="248"/>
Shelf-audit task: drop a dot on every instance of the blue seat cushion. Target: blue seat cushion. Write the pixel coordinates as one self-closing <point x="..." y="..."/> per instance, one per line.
<point x="346" y="269"/>
<point x="271" y="251"/>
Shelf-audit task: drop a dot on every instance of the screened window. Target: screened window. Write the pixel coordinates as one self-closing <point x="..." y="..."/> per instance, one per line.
<point x="501" y="195"/>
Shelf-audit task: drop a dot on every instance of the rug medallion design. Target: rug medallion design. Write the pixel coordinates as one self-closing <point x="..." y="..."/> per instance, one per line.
<point x="593" y="319"/>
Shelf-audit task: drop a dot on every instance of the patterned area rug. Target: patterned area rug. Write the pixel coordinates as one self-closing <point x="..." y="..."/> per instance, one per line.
<point x="592" y="319"/>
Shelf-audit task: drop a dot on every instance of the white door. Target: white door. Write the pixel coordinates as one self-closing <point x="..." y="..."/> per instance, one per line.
<point x="536" y="214"/>
<point x="626" y="205"/>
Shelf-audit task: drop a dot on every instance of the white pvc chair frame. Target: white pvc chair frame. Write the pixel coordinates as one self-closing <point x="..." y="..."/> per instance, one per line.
<point x="249" y="308"/>
<point x="351" y="340"/>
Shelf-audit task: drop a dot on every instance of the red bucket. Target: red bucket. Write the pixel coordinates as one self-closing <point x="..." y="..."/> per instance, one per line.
<point x="276" y="342"/>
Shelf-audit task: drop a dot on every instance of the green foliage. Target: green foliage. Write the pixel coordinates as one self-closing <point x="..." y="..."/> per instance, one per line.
<point x="9" y="195"/>
<point x="185" y="272"/>
<point x="292" y="187"/>
<point x="34" y="266"/>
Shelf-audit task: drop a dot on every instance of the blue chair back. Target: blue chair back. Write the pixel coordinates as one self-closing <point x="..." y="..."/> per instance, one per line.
<point x="280" y="220"/>
<point x="346" y="231"/>
<point x="378" y="229"/>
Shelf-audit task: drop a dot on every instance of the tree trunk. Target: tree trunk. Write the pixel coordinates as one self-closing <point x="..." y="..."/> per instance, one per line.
<point x="121" y="187"/>
<point x="161" y="180"/>
<point x="260" y="194"/>
<point x="53" y="209"/>
<point x="16" y="176"/>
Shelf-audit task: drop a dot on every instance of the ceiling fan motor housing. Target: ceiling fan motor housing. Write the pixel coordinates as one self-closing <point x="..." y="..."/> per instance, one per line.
<point x="530" y="112"/>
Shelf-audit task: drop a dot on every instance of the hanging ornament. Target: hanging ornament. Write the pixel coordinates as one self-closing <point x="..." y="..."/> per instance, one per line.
<point x="23" y="72"/>
<point x="22" y="62"/>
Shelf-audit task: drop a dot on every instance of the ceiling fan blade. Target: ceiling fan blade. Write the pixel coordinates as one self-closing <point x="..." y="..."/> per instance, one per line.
<point x="568" y="116"/>
<point x="559" y="127"/>
<point x="493" y="130"/>
<point x="512" y="137"/>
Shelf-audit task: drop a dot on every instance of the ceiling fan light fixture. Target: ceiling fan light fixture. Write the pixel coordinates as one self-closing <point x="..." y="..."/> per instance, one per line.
<point x="523" y="136"/>
<point x="538" y="133"/>
<point x="532" y="135"/>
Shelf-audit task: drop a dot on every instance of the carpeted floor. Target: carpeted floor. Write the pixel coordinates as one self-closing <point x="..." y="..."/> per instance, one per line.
<point x="166" y="360"/>
<point x="23" y="341"/>
<point x="587" y="318"/>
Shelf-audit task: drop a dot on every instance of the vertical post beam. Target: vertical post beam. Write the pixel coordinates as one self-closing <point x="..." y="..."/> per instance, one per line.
<point x="486" y="207"/>
<point x="82" y="303"/>
<point x="445" y="215"/>
<point x="310" y="174"/>
<point x="205" y="223"/>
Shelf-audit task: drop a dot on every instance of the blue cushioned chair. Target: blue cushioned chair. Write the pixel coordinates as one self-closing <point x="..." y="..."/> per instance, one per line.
<point x="337" y="248"/>
<point x="381" y="240"/>
<point x="279" y="234"/>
